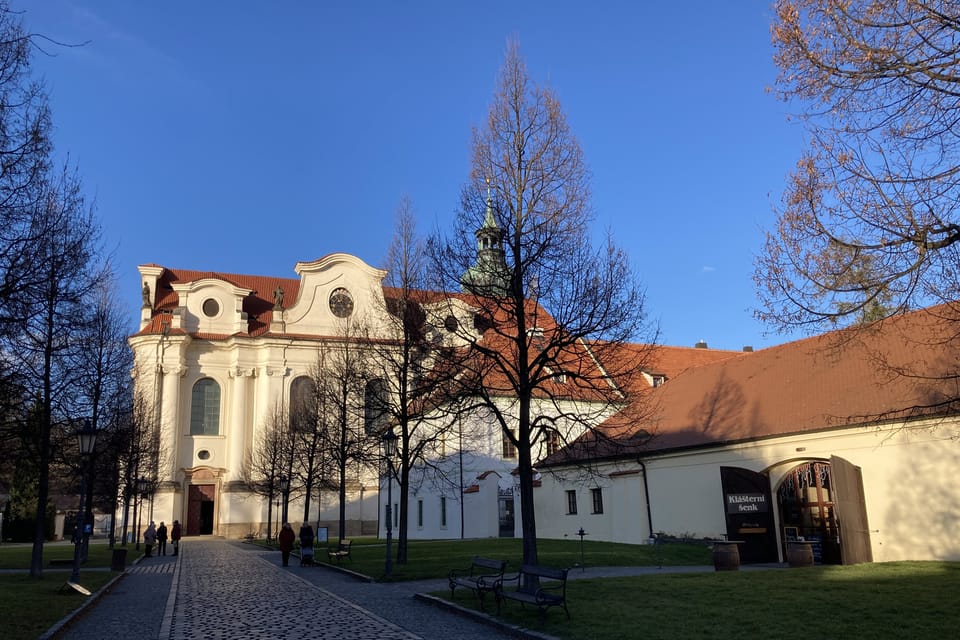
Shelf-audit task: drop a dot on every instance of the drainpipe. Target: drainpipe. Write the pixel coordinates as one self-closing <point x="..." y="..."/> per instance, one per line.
<point x="646" y="494"/>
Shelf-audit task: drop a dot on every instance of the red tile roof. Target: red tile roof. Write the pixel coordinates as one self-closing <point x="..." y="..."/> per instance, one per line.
<point x="901" y="368"/>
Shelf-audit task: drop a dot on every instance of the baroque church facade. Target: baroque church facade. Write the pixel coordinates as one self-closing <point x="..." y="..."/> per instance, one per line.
<point x="218" y="356"/>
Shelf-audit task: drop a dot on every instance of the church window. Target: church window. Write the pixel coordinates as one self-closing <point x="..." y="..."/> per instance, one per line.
<point x="303" y="404"/>
<point x="376" y="412"/>
<point x="205" y="408"/>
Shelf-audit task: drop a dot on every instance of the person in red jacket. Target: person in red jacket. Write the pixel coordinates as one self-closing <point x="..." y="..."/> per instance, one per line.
<point x="286" y="539"/>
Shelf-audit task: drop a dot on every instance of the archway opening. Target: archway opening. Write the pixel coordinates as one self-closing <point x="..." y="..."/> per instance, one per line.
<point x="806" y="499"/>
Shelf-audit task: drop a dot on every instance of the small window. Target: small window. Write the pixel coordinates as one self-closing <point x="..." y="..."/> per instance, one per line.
<point x="450" y="324"/>
<point x="659" y="380"/>
<point x="597" y="495"/>
<point x="553" y="442"/>
<point x="420" y="513"/>
<point x="571" y="503"/>
<point x="509" y="450"/>
<point x="443" y="512"/>
<point x="211" y="308"/>
<point x="203" y="454"/>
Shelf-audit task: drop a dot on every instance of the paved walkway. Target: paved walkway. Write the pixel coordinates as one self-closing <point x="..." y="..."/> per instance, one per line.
<point x="224" y="589"/>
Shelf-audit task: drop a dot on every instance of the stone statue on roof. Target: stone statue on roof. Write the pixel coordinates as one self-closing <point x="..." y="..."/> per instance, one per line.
<point x="147" y="302"/>
<point x="278" y="298"/>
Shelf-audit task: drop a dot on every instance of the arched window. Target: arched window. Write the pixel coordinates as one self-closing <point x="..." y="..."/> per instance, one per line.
<point x="205" y="408"/>
<point x="303" y="404"/>
<point x="376" y="413"/>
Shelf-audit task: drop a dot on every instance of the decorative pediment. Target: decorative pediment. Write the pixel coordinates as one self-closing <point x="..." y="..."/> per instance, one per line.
<point x="335" y="290"/>
<point x="212" y="305"/>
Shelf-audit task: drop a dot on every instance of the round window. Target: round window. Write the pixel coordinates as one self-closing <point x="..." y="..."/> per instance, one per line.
<point x="450" y="324"/>
<point x="203" y="454"/>
<point x="341" y="303"/>
<point x="211" y="308"/>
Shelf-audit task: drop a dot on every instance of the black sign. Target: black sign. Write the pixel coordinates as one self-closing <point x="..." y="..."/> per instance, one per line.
<point x="747" y="503"/>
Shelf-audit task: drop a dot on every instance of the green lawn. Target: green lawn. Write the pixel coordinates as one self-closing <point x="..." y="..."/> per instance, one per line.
<point x="435" y="558"/>
<point x="29" y="607"/>
<point x="18" y="556"/>
<point x="891" y="600"/>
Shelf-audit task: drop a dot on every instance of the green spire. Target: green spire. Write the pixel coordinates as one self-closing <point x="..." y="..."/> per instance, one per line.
<point x="489" y="275"/>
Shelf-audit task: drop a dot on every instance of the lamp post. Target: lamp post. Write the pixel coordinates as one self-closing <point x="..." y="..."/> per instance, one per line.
<point x="86" y="441"/>
<point x="389" y="450"/>
<point x="141" y="493"/>
<point x="285" y="490"/>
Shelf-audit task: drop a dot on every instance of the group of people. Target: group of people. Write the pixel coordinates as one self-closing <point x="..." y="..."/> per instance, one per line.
<point x="158" y="536"/>
<point x="286" y="539"/>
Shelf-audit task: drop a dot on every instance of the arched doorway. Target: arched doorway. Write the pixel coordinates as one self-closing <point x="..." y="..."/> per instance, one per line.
<point x="822" y="502"/>
<point x="805" y="499"/>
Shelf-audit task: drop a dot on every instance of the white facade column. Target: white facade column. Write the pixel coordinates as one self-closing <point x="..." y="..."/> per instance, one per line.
<point x="239" y="429"/>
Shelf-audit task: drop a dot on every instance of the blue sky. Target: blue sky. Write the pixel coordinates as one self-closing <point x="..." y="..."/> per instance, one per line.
<point x="246" y="136"/>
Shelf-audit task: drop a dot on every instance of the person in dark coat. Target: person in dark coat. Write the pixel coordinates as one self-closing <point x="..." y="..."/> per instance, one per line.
<point x="285" y="539"/>
<point x="162" y="539"/>
<point x="306" y="544"/>
<point x="175" y="533"/>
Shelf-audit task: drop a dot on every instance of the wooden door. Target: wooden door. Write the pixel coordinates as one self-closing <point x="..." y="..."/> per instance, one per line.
<point x="851" y="512"/>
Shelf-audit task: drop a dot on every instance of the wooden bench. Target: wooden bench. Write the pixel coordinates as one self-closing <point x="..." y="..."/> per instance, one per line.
<point x="480" y="577"/>
<point x="341" y="551"/>
<point x="544" y="587"/>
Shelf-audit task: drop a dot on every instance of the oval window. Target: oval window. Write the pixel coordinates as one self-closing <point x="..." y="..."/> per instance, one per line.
<point x="203" y="454"/>
<point x="211" y="308"/>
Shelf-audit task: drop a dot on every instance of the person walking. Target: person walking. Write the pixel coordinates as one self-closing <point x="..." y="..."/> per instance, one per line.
<point x="285" y="539"/>
<point x="306" y="545"/>
<point x="162" y="539"/>
<point x="175" y="533"/>
<point x="149" y="539"/>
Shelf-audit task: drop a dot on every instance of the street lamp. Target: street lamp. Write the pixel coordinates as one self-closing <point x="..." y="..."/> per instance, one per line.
<point x="86" y="441"/>
<point x="285" y="490"/>
<point x="141" y="493"/>
<point x="389" y="450"/>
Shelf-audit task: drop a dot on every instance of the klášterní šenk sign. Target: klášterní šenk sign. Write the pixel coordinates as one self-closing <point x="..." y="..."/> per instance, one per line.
<point x="747" y="503"/>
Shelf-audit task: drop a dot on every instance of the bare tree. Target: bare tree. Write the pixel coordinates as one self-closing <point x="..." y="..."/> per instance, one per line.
<point x="341" y="381"/>
<point x="54" y="314"/>
<point x="308" y="432"/>
<point x="25" y="149"/>
<point x="103" y="361"/>
<point x="409" y="390"/>
<point x="266" y="461"/>
<point x="550" y="305"/>
<point x="870" y="219"/>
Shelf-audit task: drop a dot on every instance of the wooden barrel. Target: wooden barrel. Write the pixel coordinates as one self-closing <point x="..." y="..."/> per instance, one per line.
<point x="726" y="557"/>
<point x="799" y="554"/>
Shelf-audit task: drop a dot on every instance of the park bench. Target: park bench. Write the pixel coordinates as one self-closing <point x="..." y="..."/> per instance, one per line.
<point x="544" y="587"/>
<point x="480" y="577"/>
<point x="341" y="551"/>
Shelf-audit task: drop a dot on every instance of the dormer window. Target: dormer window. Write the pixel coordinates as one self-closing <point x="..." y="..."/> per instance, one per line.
<point x="658" y="380"/>
<point x="211" y="308"/>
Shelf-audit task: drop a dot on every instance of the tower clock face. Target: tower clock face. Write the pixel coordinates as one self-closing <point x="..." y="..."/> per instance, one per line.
<point x="341" y="303"/>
